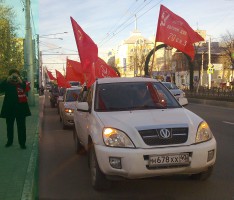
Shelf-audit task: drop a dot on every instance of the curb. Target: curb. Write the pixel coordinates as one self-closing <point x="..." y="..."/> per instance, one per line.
<point x="30" y="183"/>
<point x="225" y="104"/>
<point x="30" y="189"/>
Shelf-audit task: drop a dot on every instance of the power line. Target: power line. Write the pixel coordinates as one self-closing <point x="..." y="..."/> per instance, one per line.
<point x="133" y="21"/>
<point x="137" y="10"/>
<point x="118" y="22"/>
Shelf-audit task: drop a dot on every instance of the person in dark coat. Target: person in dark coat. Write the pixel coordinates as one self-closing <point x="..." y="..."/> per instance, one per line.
<point x="15" y="107"/>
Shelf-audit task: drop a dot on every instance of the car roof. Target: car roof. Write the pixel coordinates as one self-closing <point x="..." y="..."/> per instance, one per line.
<point x="125" y="79"/>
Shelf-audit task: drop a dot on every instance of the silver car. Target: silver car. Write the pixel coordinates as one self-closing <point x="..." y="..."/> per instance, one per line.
<point x="67" y="106"/>
<point x="178" y="93"/>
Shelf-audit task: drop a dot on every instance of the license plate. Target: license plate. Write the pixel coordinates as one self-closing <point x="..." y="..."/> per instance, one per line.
<point x="169" y="159"/>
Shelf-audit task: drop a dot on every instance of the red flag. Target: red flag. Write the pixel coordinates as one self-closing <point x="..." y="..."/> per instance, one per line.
<point x="100" y="70"/>
<point x="87" y="49"/>
<point x="61" y="81"/>
<point x="74" y="71"/>
<point x="176" y="32"/>
<point x="50" y="75"/>
<point x="104" y="70"/>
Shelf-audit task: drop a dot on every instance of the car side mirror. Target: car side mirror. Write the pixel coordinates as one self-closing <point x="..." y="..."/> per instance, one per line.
<point x="82" y="106"/>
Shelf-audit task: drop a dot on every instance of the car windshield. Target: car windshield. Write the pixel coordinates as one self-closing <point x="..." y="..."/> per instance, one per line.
<point x="74" y="83"/>
<point x="133" y="96"/>
<point x="72" y="95"/>
<point x="170" y="86"/>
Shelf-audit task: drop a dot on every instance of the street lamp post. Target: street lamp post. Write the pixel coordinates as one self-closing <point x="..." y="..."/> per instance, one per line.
<point x="28" y="49"/>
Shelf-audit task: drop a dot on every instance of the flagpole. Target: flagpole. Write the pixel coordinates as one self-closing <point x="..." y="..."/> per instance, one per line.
<point x="153" y="59"/>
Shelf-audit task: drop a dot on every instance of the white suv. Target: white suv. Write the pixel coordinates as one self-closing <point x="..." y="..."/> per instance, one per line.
<point x="135" y="128"/>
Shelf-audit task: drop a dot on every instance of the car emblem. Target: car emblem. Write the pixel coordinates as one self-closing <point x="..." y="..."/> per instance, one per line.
<point x="165" y="133"/>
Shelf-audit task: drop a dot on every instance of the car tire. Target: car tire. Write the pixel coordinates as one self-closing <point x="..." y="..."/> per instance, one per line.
<point x="98" y="179"/>
<point x="203" y="175"/>
<point x="79" y="149"/>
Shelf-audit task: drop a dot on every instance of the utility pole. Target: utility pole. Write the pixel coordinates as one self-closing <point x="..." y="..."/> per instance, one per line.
<point x="28" y="48"/>
<point x="209" y="65"/>
<point x="202" y="69"/>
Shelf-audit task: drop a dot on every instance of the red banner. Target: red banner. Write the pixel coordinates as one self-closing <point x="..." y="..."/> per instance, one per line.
<point x="74" y="71"/>
<point x="87" y="49"/>
<point x="50" y="75"/>
<point x="61" y="81"/>
<point x="176" y="32"/>
<point x="100" y="70"/>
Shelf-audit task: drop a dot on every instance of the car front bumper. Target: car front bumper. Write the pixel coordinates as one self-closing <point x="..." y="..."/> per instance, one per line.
<point x="69" y="119"/>
<point x="134" y="162"/>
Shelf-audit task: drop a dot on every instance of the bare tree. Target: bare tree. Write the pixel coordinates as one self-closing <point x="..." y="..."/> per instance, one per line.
<point x="228" y="47"/>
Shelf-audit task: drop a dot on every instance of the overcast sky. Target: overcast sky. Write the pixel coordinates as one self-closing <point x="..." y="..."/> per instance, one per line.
<point x="108" y="22"/>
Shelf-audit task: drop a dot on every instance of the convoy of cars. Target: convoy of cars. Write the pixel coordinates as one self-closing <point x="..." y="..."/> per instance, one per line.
<point x="137" y="128"/>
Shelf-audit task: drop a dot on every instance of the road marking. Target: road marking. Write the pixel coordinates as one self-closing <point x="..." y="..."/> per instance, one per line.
<point x="228" y="122"/>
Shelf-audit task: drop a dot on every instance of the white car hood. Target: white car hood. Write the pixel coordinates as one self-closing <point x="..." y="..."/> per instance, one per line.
<point x="132" y="121"/>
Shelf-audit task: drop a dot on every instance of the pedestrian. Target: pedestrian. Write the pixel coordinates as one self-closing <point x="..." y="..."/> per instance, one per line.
<point x="15" y="106"/>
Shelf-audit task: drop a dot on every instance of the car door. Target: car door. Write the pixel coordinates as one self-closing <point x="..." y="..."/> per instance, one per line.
<point x="85" y="124"/>
<point x="61" y="106"/>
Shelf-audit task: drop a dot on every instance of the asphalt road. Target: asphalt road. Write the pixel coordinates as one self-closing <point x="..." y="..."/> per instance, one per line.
<point x="63" y="175"/>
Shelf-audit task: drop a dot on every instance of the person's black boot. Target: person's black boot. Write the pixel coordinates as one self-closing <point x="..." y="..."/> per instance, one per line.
<point x="23" y="146"/>
<point x="8" y="144"/>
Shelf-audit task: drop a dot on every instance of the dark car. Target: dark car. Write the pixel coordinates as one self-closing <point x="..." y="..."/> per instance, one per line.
<point x="54" y="94"/>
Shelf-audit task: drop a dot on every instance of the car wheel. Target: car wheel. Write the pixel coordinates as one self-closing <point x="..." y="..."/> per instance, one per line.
<point x="78" y="147"/>
<point x="98" y="179"/>
<point x="203" y="175"/>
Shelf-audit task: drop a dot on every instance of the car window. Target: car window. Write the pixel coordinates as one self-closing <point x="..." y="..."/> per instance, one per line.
<point x="133" y="96"/>
<point x="74" y="83"/>
<point x="72" y="95"/>
<point x="83" y="94"/>
<point x="90" y="96"/>
<point x="62" y="91"/>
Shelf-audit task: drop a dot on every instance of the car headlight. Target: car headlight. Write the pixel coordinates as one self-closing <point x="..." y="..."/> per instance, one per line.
<point x="116" y="138"/>
<point x="203" y="133"/>
<point x="68" y="110"/>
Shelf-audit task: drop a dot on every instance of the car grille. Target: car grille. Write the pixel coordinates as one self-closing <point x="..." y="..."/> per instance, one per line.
<point x="153" y="137"/>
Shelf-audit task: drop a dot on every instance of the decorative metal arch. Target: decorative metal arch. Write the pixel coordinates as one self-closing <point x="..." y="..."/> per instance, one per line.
<point x="146" y="69"/>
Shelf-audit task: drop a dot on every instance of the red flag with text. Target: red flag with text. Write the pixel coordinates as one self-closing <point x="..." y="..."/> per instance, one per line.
<point x="61" y="81"/>
<point x="88" y="50"/>
<point x="100" y="70"/>
<point x="176" y="32"/>
<point x="74" y="71"/>
<point x="50" y="75"/>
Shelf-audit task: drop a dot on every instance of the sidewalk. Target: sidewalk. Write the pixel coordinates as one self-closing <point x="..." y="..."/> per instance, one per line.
<point x="19" y="168"/>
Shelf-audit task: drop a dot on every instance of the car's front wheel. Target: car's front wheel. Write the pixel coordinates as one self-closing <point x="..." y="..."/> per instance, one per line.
<point x="98" y="179"/>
